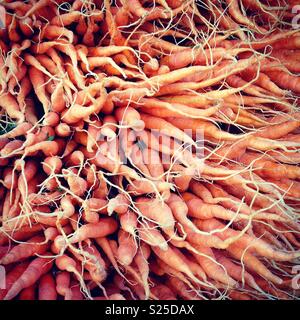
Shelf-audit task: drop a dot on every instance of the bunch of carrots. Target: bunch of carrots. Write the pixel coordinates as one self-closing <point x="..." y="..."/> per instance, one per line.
<point x="149" y="150"/>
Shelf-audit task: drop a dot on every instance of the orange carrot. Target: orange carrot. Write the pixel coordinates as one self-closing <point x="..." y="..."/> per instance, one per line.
<point x="171" y="258"/>
<point x="180" y="288"/>
<point x="25" y="250"/>
<point x="129" y="117"/>
<point x="150" y="234"/>
<point x="151" y="209"/>
<point x="13" y="110"/>
<point x="49" y="148"/>
<point x="128" y="222"/>
<point x="163" y="292"/>
<point x="28" y="293"/>
<point x="34" y="271"/>
<point x="52" y="165"/>
<point x="253" y="263"/>
<point x="127" y="248"/>
<point x="47" y="290"/>
<point x="63" y="130"/>
<point x="63" y="283"/>
<point x="118" y="204"/>
<point x="12" y="277"/>
<point x="212" y="268"/>
<point x="236" y="271"/>
<point x="246" y="241"/>
<point x="104" y="227"/>
<point x="166" y="128"/>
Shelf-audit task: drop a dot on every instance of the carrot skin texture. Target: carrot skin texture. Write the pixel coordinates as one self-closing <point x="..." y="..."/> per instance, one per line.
<point x="47" y="289"/>
<point x="34" y="271"/>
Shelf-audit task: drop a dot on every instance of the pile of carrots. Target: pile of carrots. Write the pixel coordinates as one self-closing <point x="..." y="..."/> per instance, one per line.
<point x="149" y="150"/>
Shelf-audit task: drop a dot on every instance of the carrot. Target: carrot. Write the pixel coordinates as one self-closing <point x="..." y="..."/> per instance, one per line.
<point x="109" y="127"/>
<point x="52" y="32"/>
<point x="205" y="127"/>
<point x="235" y="12"/>
<point x="38" y="80"/>
<point x="76" y="112"/>
<point x="52" y="165"/>
<point x="118" y="204"/>
<point x="285" y="80"/>
<point x="291" y="42"/>
<point x="192" y="263"/>
<point x="173" y="260"/>
<point x="10" y="178"/>
<point x="104" y="227"/>
<point x="3" y="251"/>
<point x="34" y="271"/>
<point x="92" y="208"/>
<point x="65" y="263"/>
<point x="246" y="241"/>
<point x="265" y="82"/>
<point x="12" y="277"/>
<point x="180" y="211"/>
<point x="268" y="288"/>
<point x="185" y="57"/>
<point x="253" y="263"/>
<point x="270" y="169"/>
<point x="47" y="290"/>
<point x="196" y="237"/>
<point x="76" y="184"/>
<point x="22" y="233"/>
<point x="166" y="269"/>
<point x="63" y="130"/>
<point x="94" y="264"/>
<point x="140" y="260"/>
<point x="127" y="248"/>
<point x="28" y="172"/>
<point x="136" y="157"/>
<point x="182" y="175"/>
<point x="151" y="209"/>
<point x="236" y="295"/>
<point x="163" y="292"/>
<point x="180" y="288"/>
<point x="236" y="271"/>
<point x="13" y="110"/>
<point x="20" y="130"/>
<point x="128" y="222"/>
<point x="49" y="148"/>
<point x="75" y="293"/>
<point x="166" y="128"/>
<point x="211" y="267"/>
<point x="165" y="110"/>
<point x="28" y="293"/>
<point x="152" y="160"/>
<point x="129" y="117"/>
<point x="106" y="246"/>
<point x="150" y="235"/>
<point x="63" y="283"/>
<point x="25" y="250"/>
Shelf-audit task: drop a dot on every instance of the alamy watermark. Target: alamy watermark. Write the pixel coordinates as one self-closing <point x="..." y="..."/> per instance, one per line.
<point x="296" y="18"/>
<point x="128" y="147"/>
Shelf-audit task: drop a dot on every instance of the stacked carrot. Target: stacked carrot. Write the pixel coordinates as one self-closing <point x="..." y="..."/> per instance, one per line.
<point x="149" y="149"/>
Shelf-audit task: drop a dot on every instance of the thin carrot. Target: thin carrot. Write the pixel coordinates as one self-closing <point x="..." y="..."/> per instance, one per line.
<point x="33" y="272"/>
<point x="25" y="250"/>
